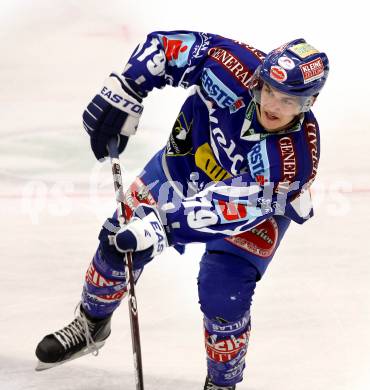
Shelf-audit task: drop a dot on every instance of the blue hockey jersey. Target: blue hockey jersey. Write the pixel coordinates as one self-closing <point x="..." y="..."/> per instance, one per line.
<point x="229" y="172"/>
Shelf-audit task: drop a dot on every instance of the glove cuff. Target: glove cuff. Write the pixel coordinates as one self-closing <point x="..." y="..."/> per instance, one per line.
<point x="126" y="87"/>
<point x="113" y="93"/>
<point x="150" y="217"/>
<point x="144" y="230"/>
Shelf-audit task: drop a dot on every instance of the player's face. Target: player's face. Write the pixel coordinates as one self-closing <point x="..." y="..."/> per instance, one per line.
<point x="277" y="109"/>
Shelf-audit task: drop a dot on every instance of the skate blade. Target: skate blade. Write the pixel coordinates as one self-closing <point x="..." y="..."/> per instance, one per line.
<point x="42" y="366"/>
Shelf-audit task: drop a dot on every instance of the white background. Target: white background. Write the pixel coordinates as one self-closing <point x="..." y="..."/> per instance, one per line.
<point x="311" y="311"/>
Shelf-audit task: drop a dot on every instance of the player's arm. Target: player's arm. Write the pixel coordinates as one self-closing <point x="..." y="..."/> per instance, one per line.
<point x="225" y="209"/>
<point x="165" y="58"/>
<point x="221" y="210"/>
<point x="239" y="203"/>
<point x="168" y="58"/>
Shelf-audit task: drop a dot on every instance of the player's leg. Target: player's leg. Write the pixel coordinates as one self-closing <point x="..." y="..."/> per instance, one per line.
<point x="105" y="281"/>
<point x="226" y="284"/>
<point x="104" y="288"/>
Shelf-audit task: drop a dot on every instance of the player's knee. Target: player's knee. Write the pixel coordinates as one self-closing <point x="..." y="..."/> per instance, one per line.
<point x="105" y="285"/>
<point x="226" y="285"/>
<point x="102" y="293"/>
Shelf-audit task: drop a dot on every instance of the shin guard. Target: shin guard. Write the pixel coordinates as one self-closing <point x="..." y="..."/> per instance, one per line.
<point x="105" y="286"/>
<point x="226" y="345"/>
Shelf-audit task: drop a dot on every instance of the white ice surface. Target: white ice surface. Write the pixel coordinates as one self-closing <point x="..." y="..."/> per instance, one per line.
<point x="311" y="315"/>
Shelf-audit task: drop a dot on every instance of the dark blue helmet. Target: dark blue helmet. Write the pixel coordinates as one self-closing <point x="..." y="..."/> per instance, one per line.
<point x="295" y="68"/>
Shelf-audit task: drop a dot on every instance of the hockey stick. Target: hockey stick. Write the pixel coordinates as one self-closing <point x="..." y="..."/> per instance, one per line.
<point x="132" y="304"/>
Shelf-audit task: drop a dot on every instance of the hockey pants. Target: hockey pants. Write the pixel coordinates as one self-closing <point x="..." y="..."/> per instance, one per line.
<point x="229" y="271"/>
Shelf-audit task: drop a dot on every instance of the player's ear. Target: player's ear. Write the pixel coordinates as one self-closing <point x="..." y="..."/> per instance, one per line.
<point x="314" y="99"/>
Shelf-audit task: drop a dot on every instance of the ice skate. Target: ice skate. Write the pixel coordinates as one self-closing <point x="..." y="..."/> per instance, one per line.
<point x="81" y="337"/>
<point x="211" y="386"/>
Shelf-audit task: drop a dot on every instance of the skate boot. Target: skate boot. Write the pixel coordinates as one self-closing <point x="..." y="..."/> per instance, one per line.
<point x="82" y="336"/>
<point x="211" y="386"/>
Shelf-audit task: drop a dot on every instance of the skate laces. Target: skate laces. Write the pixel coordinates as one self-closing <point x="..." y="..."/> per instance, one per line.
<point x="212" y="386"/>
<point x="79" y="330"/>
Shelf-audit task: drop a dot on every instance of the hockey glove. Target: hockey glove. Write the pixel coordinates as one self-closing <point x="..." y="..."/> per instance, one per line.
<point x="144" y="236"/>
<point x="115" y="111"/>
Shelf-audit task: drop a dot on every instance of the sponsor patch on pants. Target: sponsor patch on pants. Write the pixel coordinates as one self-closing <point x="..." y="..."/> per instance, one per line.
<point x="261" y="240"/>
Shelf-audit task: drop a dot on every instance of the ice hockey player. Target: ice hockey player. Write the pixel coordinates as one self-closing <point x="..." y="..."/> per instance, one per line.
<point x="236" y="170"/>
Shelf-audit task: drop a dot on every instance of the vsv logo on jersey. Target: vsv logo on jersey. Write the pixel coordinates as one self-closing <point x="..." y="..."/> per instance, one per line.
<point x="259" y="163"/>
<point x="217" y="90"/>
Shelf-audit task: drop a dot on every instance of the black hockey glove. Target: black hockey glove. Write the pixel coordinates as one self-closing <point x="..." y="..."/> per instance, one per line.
<point x="115" y="111"/>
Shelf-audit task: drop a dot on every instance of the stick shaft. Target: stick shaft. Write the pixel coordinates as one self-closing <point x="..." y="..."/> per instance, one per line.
<point x="132" y="302"/>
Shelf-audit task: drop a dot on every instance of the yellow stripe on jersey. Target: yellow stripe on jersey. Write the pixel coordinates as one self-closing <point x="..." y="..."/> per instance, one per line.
<point x="206" y="161"/>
